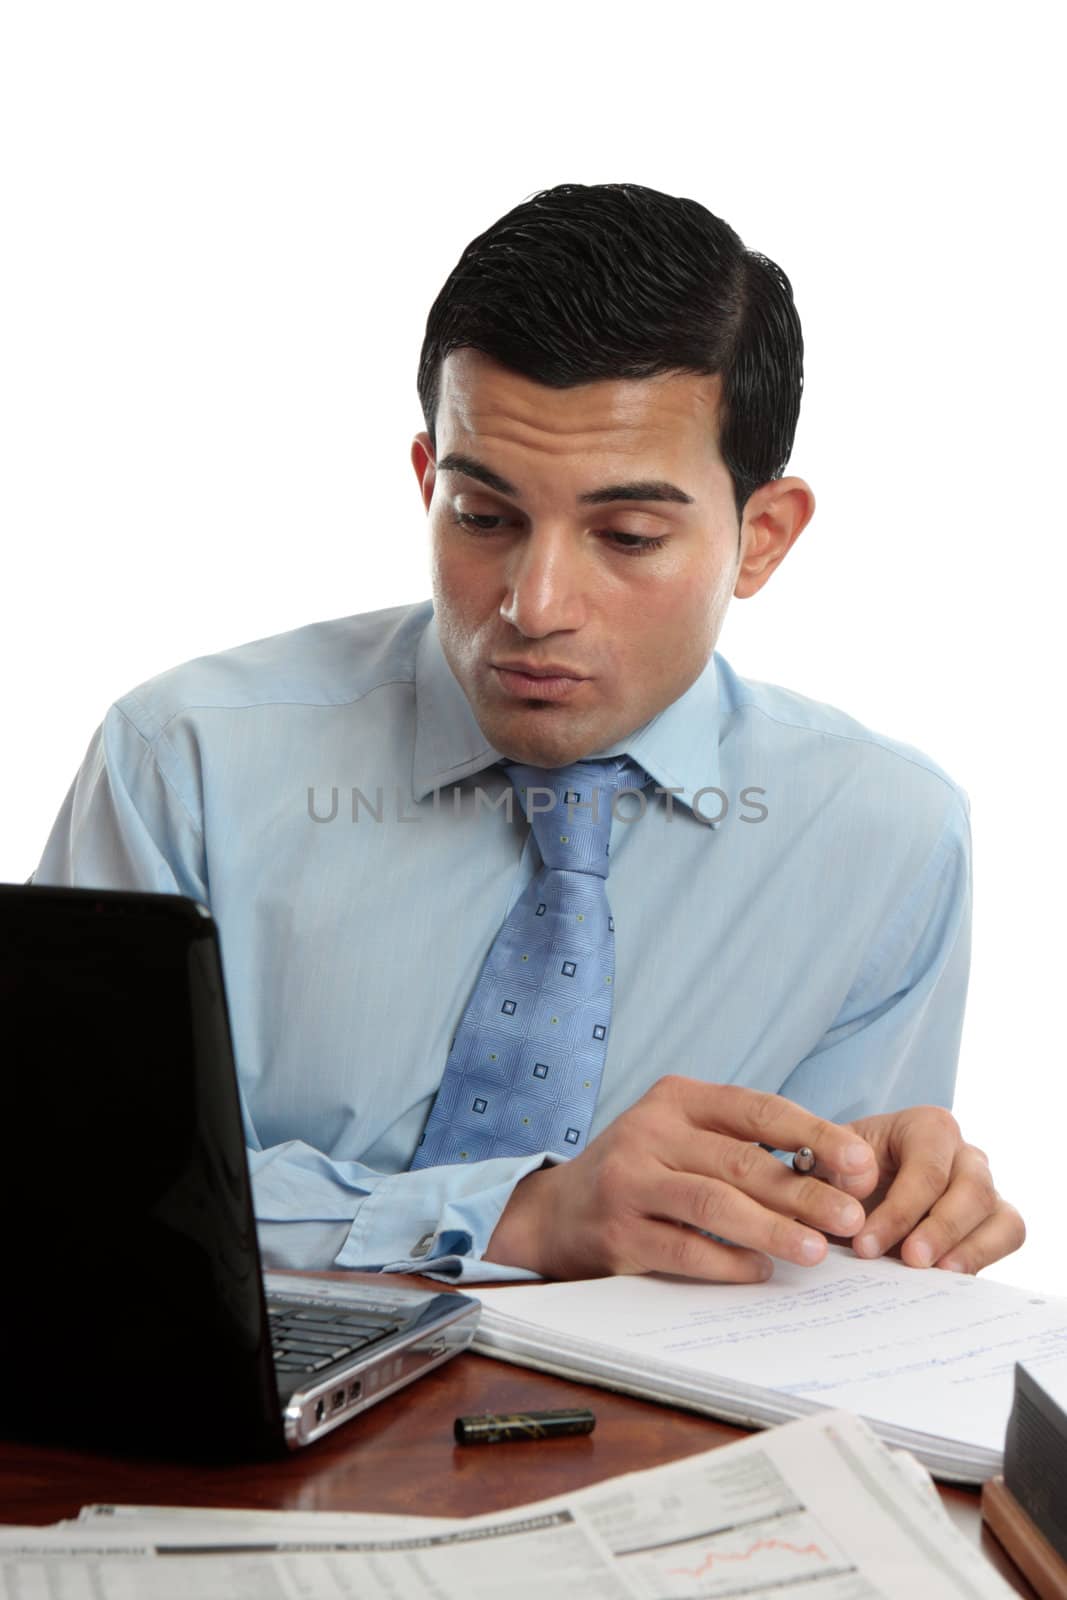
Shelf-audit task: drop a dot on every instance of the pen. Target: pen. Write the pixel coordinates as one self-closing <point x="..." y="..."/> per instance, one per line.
<point x="494" y="1428"/>
<point x="803" y="1159"/>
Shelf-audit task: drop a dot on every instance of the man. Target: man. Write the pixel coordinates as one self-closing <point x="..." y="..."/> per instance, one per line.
<point x="610" y="383"/>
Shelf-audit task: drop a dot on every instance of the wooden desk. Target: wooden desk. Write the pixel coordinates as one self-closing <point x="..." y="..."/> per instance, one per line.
<point x="400" y="1457"/>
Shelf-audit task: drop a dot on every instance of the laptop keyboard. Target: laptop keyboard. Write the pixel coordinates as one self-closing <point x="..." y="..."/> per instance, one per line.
<point x="304" y="1339"/>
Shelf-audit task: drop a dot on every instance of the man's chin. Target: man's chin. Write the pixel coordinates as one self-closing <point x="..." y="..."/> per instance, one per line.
<point x="540" y="734"/>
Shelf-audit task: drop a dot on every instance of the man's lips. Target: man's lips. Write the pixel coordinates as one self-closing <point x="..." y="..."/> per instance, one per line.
<point x="527" y="681"/>
<point x="538" y="669"/>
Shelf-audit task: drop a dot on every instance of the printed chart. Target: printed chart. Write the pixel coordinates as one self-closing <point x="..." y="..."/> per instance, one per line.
<point x="762" y="1541"/>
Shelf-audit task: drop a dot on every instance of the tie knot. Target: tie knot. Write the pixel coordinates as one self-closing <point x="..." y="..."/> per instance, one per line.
<point x="570" y="808"/>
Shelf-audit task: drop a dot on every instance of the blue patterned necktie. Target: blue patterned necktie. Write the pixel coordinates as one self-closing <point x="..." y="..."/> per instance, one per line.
<point x="525" y="1065"/>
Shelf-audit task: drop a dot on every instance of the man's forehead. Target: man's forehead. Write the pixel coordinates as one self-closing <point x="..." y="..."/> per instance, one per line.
<point x="479" y="398"/>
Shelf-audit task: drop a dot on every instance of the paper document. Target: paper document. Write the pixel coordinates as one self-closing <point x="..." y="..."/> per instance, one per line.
<point x="927" y="1357"/>
<point x="817" y="1509"/>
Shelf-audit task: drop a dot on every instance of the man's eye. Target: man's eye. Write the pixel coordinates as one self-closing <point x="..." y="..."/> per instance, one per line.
<point x="474" y="521"/>
<point x="632" y="543"/>
<point x="636" y="542"/>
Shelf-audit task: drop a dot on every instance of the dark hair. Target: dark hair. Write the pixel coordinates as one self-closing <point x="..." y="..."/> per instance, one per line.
<point x="614" y="280"/>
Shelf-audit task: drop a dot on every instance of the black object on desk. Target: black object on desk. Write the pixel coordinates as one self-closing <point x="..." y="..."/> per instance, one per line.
<point x="515" y="1426"/>
<point x="135" y="1312"/>
<point x="1035" y="1457"/>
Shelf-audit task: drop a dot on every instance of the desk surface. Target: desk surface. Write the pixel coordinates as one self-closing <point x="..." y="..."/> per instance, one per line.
<point x="400" y="1456"/>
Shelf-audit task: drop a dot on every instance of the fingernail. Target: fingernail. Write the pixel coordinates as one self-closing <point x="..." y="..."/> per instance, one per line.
<point x="922" y="1254"/>
<point x="857" y="1155"/>
<point x="850" y="1217"/>
<point x="765" y="1269"/>
<point x="952" y="1265"/>
<point x="812" y="1249"/>
<point x="867" y="1245"/>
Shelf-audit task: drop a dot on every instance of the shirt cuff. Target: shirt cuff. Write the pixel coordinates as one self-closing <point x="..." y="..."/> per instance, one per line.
<point x="435" y="1228"/>
<point x="465" y="1269"/>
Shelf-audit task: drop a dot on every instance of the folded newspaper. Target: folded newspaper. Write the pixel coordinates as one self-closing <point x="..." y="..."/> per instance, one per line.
<point x="926" y="1357"/>
<point x="819" y="1506"/>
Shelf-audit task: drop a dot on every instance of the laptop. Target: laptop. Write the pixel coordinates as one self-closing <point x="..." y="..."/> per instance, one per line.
<point x="135" y="1312"/>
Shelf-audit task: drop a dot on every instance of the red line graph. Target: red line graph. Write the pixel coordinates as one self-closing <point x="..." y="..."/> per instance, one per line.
<point x="746" y="1555"/>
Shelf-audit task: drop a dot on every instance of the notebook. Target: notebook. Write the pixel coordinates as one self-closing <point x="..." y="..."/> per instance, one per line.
<point x="925" y="1356"/>
<point x="135" y="1311"/>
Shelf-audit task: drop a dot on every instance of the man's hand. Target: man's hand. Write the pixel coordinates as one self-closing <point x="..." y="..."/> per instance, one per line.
<point x="933" y="1197"/>
<point x="684" y="1161"/>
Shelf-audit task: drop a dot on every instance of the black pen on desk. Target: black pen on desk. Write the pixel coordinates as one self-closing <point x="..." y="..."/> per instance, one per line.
<point x="507" y="1428"/>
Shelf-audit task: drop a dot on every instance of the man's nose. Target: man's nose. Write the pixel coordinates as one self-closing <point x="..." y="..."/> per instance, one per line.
<point x="545" y="590"/>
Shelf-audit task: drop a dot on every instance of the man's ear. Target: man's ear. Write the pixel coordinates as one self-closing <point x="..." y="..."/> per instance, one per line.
<point x="422" y="459"/>
<point x="775" y="516"/>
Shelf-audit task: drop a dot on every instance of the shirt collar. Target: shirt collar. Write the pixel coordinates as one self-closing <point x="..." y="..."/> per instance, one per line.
<point x="678" y="747"/>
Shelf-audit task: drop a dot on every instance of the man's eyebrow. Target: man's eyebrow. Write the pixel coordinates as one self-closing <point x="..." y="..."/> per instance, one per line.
<point x="641" y="489"/>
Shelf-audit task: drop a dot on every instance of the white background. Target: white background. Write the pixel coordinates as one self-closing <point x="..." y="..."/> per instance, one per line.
<point x="224" y="226"/>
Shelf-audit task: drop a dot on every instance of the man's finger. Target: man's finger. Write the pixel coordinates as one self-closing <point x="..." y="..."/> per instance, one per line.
<point x="927" y="1147"/>
<point x="858" y="1184"/>
<point x="969" y="1199"/>
<point x="998" y="1236"/>
<point x="712" y="1205"/>
<point x="750" y="1169"/>
<point x="769" y="1119"/>
<point x="670" y="1248"/>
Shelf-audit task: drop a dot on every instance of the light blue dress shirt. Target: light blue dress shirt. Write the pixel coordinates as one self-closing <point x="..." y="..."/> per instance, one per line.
<point x="795" y="917"/>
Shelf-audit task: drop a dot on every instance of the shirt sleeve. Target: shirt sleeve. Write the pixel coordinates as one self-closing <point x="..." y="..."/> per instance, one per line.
<point x="131" y="821"/>
<point x="895" y="1042"/>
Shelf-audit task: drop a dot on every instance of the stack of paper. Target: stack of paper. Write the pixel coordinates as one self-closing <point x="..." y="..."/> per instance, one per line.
<point x="817" y="1507"/>
<point x="927" y="1357"/>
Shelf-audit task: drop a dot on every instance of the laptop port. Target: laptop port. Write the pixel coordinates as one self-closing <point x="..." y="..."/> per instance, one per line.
<point x="320" y="1411"/>
<point x="354" y="1390"/>
<point x="337" y="1399"/>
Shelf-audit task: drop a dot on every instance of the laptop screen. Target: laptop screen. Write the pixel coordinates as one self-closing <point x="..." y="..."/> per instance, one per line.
<point x="133" y="1286"/>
